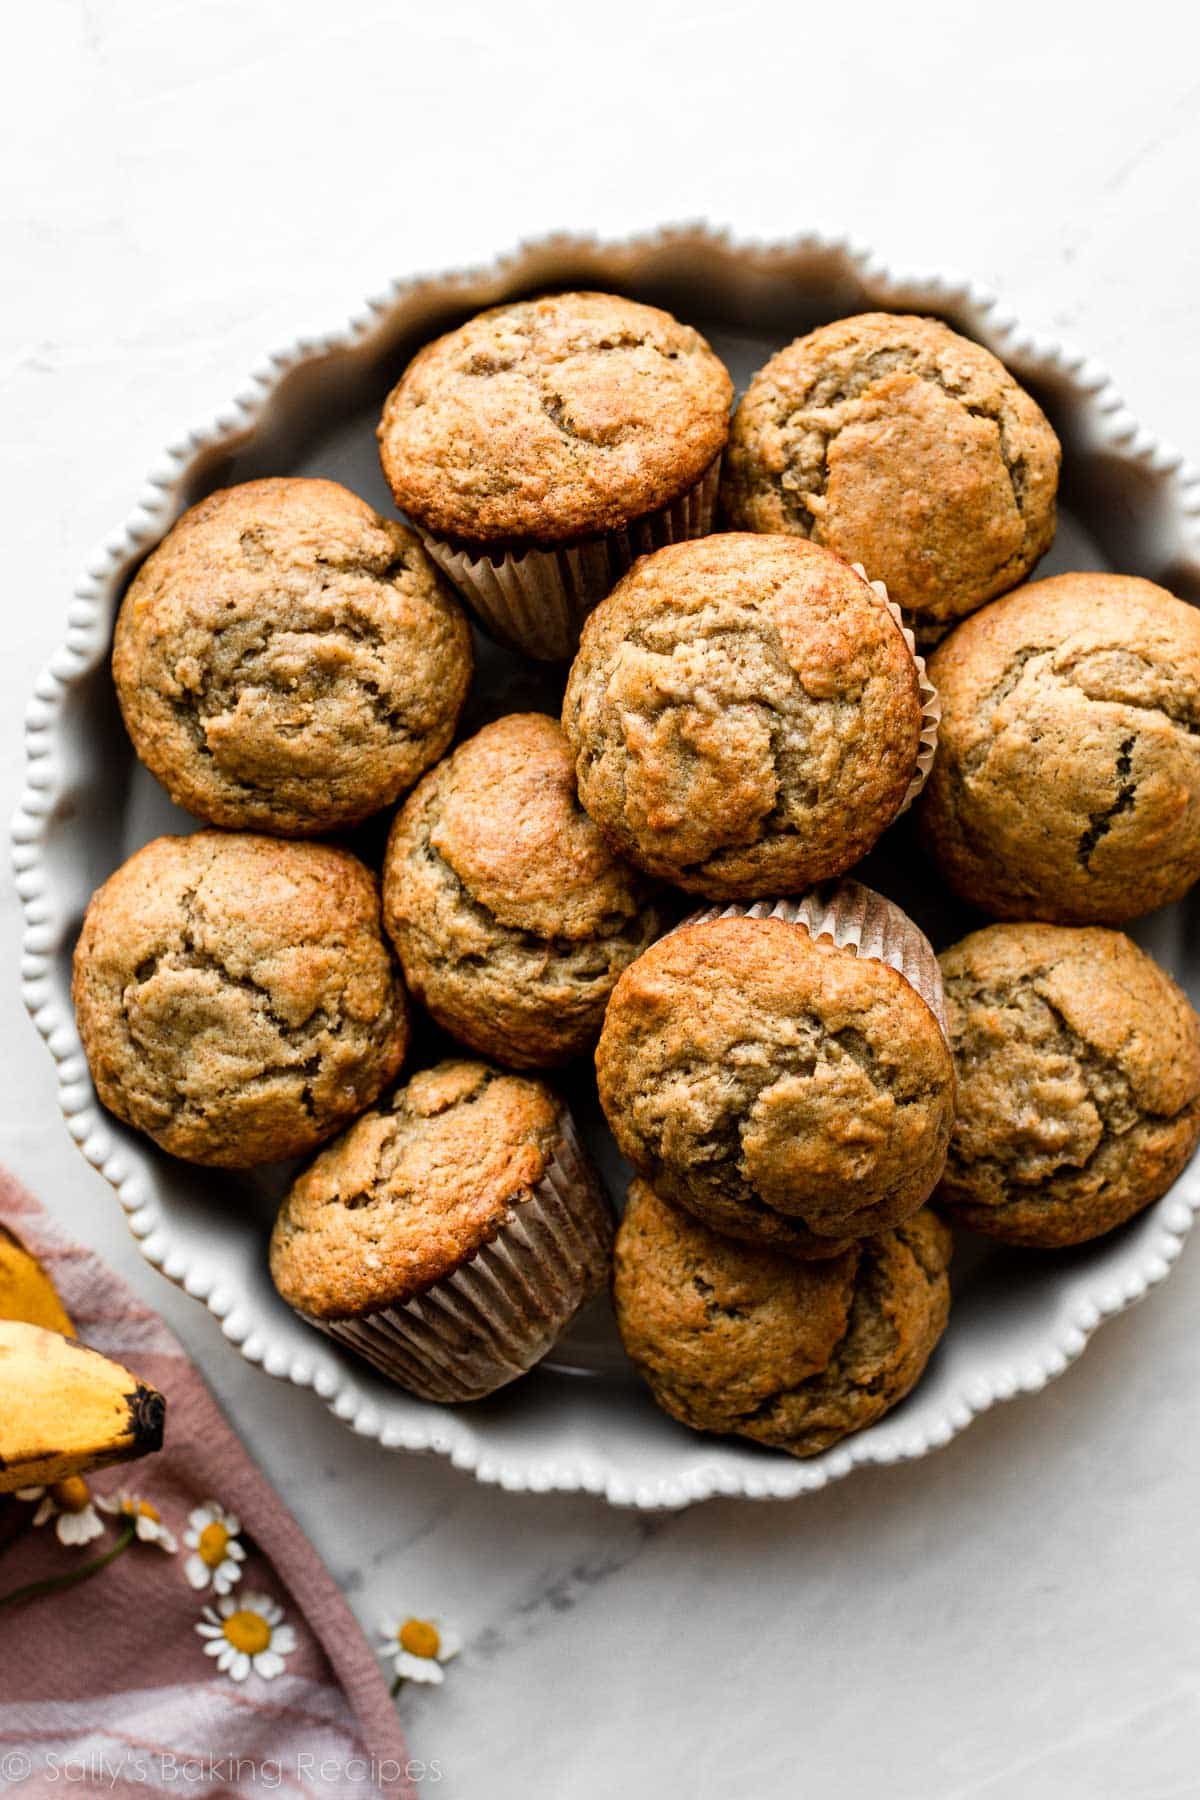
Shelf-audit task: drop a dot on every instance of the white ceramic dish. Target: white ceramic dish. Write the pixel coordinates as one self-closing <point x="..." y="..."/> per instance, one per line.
<point x="581" y="1422"/>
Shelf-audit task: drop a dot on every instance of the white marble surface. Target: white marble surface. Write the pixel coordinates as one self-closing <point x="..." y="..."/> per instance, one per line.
<point x="185" y="187"/>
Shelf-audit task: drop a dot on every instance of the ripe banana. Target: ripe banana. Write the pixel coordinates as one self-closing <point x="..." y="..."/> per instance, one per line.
<point x="26" y="1291"/>
<point x="65" y="1409"/>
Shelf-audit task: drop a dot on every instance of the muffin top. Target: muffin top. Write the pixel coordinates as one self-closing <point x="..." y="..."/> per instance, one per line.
<point x="288" y="660"/>
<point x="902" y="446"/>
<point x="550" y="419"/>
<point x="735" y="1338"/>
<point x="412" y="1190"/>
<point x="1067" y="782"/>
<point x="511" y="916"/>
<point x="784" y="1089"/>
<point x="745" y="715"/>
<point x="1079" y="1081"/>
<point x="235" y="996"/>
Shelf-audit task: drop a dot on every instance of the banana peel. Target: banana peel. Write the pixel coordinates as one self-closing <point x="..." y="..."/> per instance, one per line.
<point x="26" y="1291"/>
<point x="65" y="1409"/>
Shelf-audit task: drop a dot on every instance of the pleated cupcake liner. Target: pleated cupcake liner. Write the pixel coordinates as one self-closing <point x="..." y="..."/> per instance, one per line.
<point x="500" y="1312"/>
<point x="931" y="705"/>
<point x="856" y="918"/>
<point x="537" y="600"/>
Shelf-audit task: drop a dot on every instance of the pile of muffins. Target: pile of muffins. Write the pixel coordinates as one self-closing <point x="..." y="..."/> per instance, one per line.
<point x="742" y="610"/>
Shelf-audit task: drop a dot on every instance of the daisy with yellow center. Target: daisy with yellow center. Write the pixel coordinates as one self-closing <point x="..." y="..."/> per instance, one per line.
<point x="247" y="1634"/>
<point x="69" y="1504"/>
<point x="417" y="1648"/>
<point x="217" y="1556"/>
<point x="143" y="1516"/>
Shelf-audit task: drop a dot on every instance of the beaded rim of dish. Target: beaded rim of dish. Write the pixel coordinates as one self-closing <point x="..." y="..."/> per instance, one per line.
<point x="135" y="1171"/>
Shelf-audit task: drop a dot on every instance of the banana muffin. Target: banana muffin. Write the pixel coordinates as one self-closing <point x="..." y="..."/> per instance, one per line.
<point x="511" y="917"/>
<point x="449" y="1236"/>
<point x="903" y="446"/>
<point x="735" y="1338"/>
<point x="786" y="1088"/>
<point x="545" y="444"/>
<point x="1078" y="1082"/>
<point x="551" y="419"/>
<point x="1067" y="783"/>
<point x="235" y="995"/>
<point x="288" y="660"/>
<point x="745" y="715"/>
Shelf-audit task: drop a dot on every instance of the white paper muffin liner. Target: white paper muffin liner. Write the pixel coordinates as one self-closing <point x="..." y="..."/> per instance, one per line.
<point x="857" y="919"/>
<point x="537" y="600"/>
<point x="499" y="1313"/>
<point x="931" y="705"/>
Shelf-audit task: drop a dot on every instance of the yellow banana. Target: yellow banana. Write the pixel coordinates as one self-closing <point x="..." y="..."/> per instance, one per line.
<point x="65" y="1409"/>
<point x="26" y="1291"/>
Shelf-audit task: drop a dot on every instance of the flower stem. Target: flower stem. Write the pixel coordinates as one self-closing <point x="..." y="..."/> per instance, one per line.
<point x="397" y="1685"/>
<point x="54" y="1583"/>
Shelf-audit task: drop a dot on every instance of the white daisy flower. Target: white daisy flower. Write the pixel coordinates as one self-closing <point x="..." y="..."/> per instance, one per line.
<point x="147" y="1520"/>
<point x="247" y="1634"/>
<point x="417" y="1648"/>
<point x="217" y="1556"/>
<point x="69" y="1504"/>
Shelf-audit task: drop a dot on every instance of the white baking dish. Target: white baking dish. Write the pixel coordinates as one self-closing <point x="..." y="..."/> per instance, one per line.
<point x="1127" y="503"/>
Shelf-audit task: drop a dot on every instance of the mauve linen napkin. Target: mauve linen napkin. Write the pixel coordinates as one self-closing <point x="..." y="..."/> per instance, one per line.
<point x="105" y="1687"/>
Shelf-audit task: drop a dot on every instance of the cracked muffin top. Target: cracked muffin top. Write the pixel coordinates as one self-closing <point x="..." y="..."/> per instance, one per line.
<point x="1078" y="1082"/>
<point x="511" y="917"/>
<point x="552" y="419"/>
<point x="905" y="447"/>
<point x="732" y="1338"/>
<point x="413" y="1190"/>
<point x="235" y="995"/>
<point x="786" y="1090"/>
<point x="288" y="660"/>
<point x="1067" y="780"/>
<point x="745" y="715"/>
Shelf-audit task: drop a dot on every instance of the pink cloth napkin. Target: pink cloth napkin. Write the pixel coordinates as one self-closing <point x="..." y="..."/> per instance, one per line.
<point x="105" y="1687"/>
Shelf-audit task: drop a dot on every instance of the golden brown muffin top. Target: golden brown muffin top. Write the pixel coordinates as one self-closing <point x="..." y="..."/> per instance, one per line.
<point x="735" y="1338"/>
<point x="745" y="715"/>
<point x="549" y="419"/>
<point x="905" y="447"/>
<point x="1079" y="1081"/>
<point x="511" y="828"/>
<point x="413" y="1190"/>
<point x="780" y="1086"/>
<point x="287" y="659"/>
<point x="235" y="996"/>
<point x="511" y="916"/>
<point x="1067" y="781"/>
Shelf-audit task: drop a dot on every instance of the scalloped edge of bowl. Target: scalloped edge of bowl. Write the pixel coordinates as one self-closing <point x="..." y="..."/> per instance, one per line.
<point x="440" y="1430"/>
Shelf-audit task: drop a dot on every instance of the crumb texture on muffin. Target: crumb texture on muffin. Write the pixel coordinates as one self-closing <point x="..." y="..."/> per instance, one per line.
<point x="235" y="995"/>
<point x="745" y="715"/>
<point x="511" y="916"/>
<point x="901" y="445"/>
<point x="1079" y="1082"/>
<point x="413" y="1189"/>
<point x="1067" y="781"/>
<point x="786" y="1091"/>
<point x="735" y="1338"/>
<point x="549" y="419"/>
<point x="288" y="660"/>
